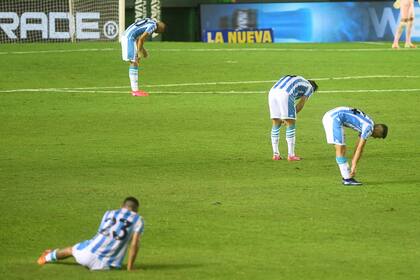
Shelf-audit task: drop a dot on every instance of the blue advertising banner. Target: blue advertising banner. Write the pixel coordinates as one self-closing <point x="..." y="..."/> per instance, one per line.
<point x="308" y="22"/>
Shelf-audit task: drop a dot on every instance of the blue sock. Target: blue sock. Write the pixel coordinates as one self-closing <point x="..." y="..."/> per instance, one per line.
<point x="275" y="131"/>
<point x="291" y="139"/>
<point x="52" y="256"/>
<point x="133" y="73"/>
<point x="344" y="167"/>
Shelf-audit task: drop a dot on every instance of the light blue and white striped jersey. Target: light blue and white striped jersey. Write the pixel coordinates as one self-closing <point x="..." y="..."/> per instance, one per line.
<point x="295" y="86"/>
<point x="114" y="235"/>
<point x="353" y="118"/>
<point x="139" y="27"/>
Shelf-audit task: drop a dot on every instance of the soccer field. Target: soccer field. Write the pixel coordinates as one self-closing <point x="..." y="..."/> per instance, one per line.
<point x="197" y="154"/>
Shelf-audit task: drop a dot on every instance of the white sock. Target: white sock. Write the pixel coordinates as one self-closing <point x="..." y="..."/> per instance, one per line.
<point x="275" y="131"/>
<point x="52" y="256"/>
<point x="344" y="167"/>
<point x="133" y="73"/>
<point x="291" y="139"/>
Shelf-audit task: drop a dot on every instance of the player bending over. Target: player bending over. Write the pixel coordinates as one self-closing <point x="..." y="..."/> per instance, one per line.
<point x="282" y="100"/>
<point x="132" y="44"/>
<point x="406" y="21"/>
<point x="334" y="122"/>
<point x="107" y="248"/>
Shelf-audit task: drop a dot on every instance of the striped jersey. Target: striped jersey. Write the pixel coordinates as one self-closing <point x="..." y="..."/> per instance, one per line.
<point x="114" y="235"/>
<point x="139" y="27"/>
<point x="295" y="86"/>
<point x="353" y="118"/>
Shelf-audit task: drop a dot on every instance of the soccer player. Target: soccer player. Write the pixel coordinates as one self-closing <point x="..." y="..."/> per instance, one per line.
<point x="282" y="100"/>
<point x="406" y="21"/>
<point x="107" y="248"/>
<point x="334" y="122"/>
<point x="132" y="44"/>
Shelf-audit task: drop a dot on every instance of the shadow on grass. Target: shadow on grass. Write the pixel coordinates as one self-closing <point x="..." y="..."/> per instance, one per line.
<point x="150" y="266"/>
<point x="390" y="182"/>
<point x="163" y="266"/>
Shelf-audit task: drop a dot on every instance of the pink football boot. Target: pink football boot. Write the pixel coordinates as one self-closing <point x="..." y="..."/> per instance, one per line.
<point x="139" y="93"/>
<point x="293" y="158"/>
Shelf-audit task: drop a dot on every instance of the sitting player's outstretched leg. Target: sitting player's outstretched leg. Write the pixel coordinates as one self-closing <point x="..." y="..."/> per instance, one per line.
<point x="281" y="99"/>
<point x="55" y="255"/>
<point x="132" y="44"/>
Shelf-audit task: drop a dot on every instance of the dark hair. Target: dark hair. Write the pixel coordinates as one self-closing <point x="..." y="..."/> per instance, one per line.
<point x="384" y="130"/>
<point x="131" y="202"/>
<point x="313" y="84"/>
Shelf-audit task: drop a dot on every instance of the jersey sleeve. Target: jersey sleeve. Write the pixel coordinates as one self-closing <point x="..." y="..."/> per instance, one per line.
<point x="309" y="90"/>
<point x="366" y="132"/>
<point x="139" y="226"/>
<point x="151" y="28"/>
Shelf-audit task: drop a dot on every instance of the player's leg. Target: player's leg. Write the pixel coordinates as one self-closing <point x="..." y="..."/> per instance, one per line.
<point x="340" y="158"/>
<point x="129" y="53"/>
<point x="291" y="139"/>
<point x="55" y="255"/>
<point x="410" y="22"/>
<point x="275" y="132"/>
<point x="403" y="22"/>
<point x="275" y="115"/>
<point x="404" y="9"/>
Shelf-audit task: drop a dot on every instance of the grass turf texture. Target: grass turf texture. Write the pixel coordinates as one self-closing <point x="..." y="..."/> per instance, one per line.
<point x="214" y="203"/>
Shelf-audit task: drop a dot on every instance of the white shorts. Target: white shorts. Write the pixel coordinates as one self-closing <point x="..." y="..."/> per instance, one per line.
<point x="83" y="255"/>
<point x="334" y="131"/>
<point x="282" y="105"/>
<point x="129" y="49"/>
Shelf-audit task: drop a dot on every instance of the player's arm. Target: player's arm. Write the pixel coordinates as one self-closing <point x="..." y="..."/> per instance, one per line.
<point x="134" y="248"/>
<point x="360" y="144"/>
<point x="140" y="44"/>
<point x="301" y="103"/>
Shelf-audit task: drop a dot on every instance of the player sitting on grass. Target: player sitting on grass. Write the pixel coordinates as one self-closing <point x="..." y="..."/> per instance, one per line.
<point x="282" y="97"/>
<point x="107" y="248"/>
<point x="132" y="44"/>
<point x="334" y="122"/>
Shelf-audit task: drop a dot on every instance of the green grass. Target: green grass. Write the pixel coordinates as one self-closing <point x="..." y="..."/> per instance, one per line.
<point x="214" y="203"/>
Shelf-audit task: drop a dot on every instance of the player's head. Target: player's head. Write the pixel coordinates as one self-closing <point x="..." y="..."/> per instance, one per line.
<point x="313" y="84"/>
<point x="380" y="131"/>
<point x="131" y="203"/>
<point x="161" y="26"/>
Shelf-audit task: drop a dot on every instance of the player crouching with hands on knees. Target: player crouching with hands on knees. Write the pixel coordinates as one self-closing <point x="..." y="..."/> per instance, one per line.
<point x="118" y="230"/>
<point x="281" y="99"/>
<point x="132" y="44"/>
<point x="334" y="122"/>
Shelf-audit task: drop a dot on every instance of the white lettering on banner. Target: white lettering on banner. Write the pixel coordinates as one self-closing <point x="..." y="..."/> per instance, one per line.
<point x="140" y="9"/>
<point x="9" y="27"/>
<point x="82" y="25"/>
<point x="155" y="7"/>
<point x="41" y="26"/>
<point x="55" y="25"/>
<point x="380" y="25"/>
<point x="54" y="34"/>
<point x="111" y="29"/>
